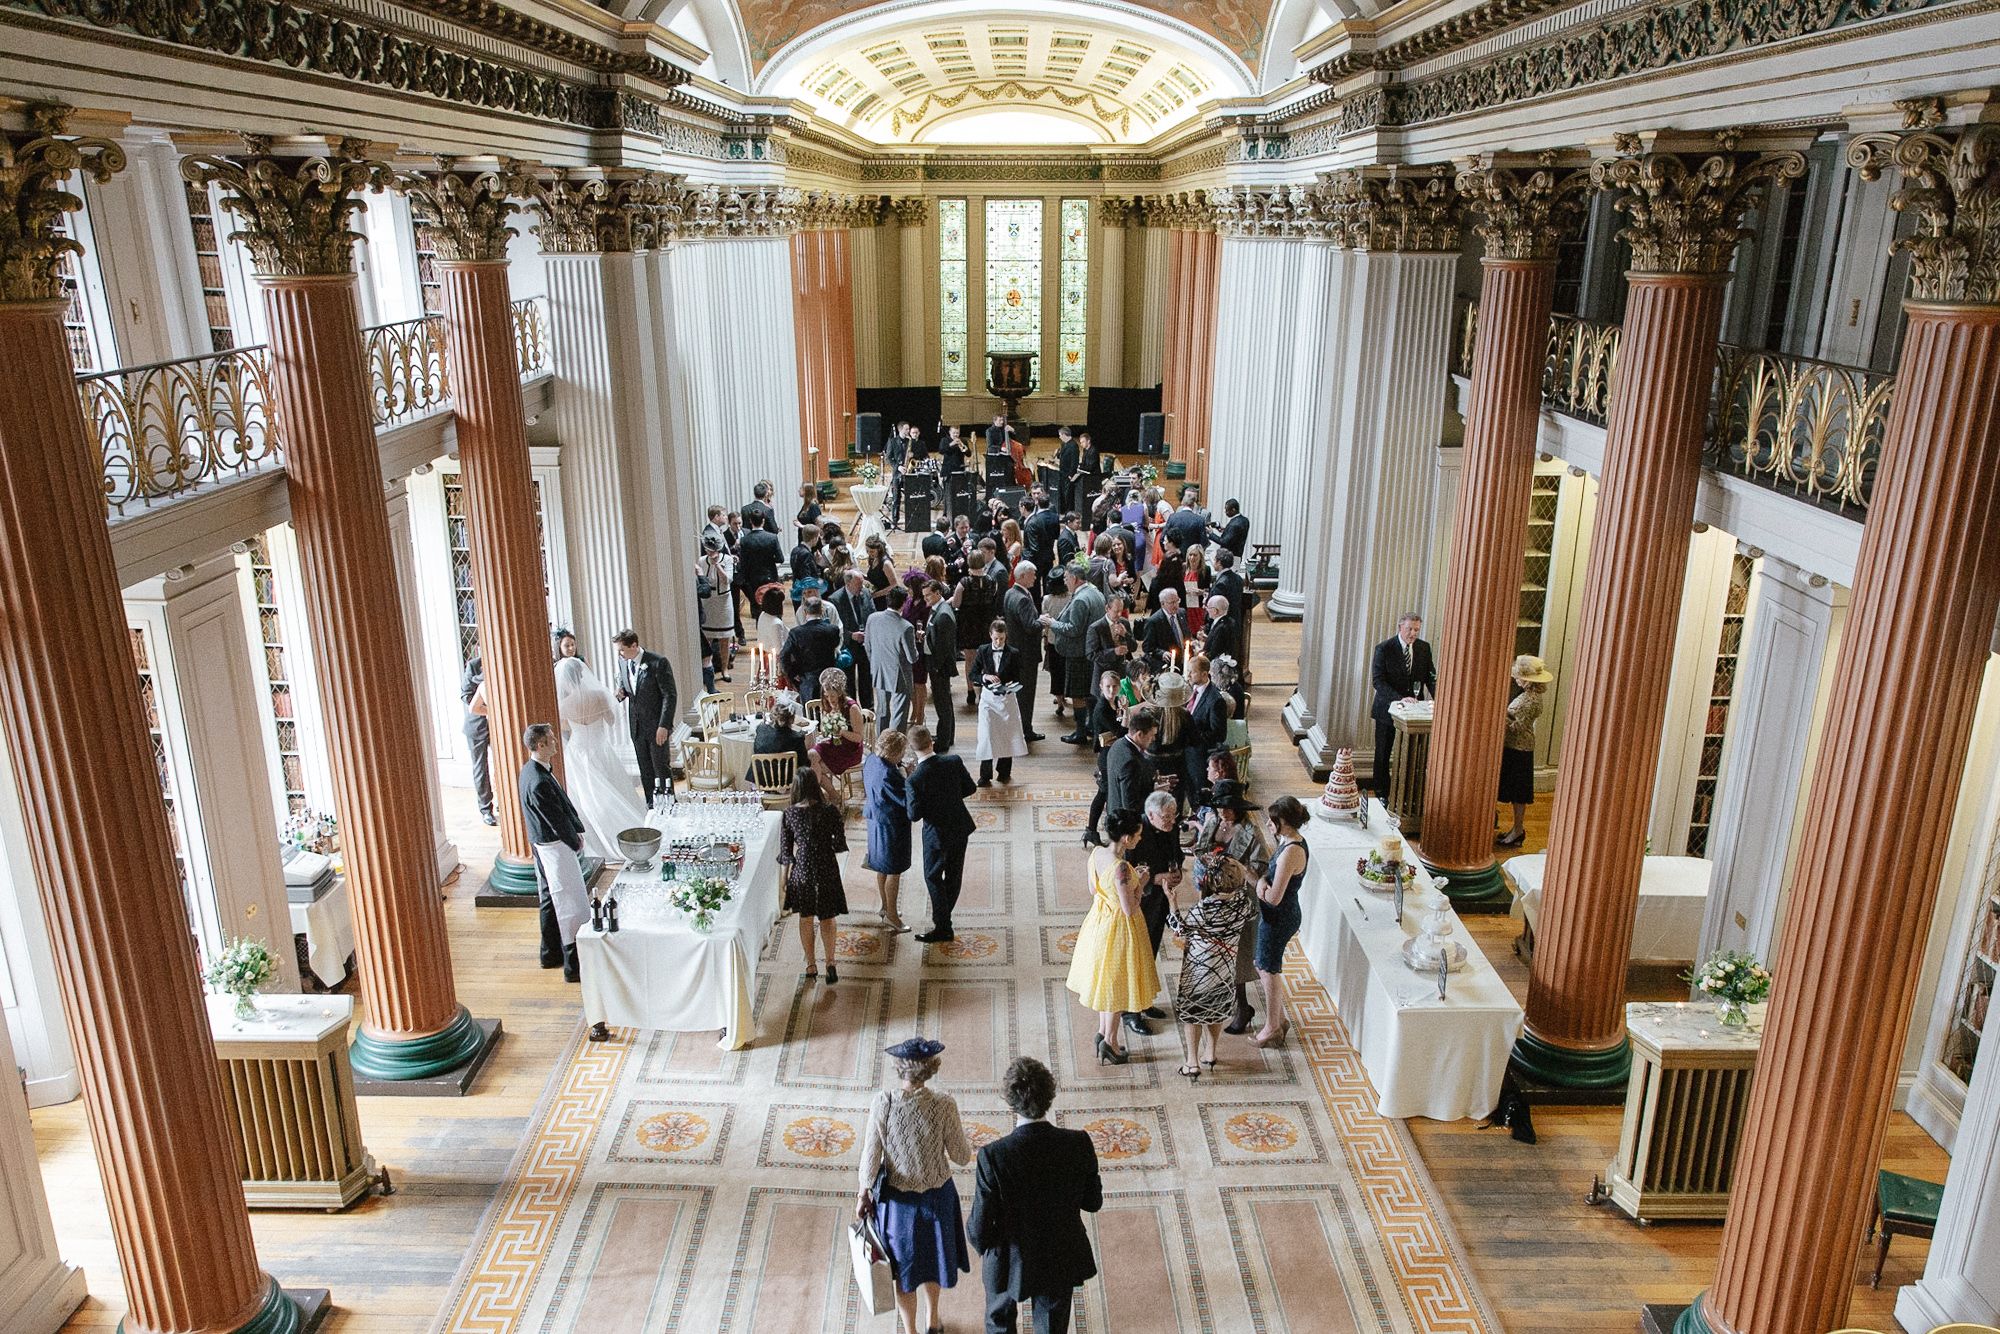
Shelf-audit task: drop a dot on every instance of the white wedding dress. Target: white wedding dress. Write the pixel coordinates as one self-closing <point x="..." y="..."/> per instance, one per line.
<point x="593" y="772"/>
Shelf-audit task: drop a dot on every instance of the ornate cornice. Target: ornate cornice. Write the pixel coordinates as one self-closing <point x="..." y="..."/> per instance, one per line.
<point x="1184" y="210"/>
<point x="824" y="211"/>
<point x="465" y="208"/>
<point x="1525" y="212"/>
<point x="606" y="212"/>
<point x="35" y="163"/>
<point x="1951" y="185"/>
<point x="1685" y="210"/>
<point x="1287" y="211"/>
<point x="911" y="210"/>
<point x="1406" y="210"/>
<point x="294" y="206"/>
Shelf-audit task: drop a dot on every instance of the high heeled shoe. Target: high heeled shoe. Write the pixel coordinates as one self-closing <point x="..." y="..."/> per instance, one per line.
<point x="1110" y="1055"/>
<point x="1277" y="1039"/>
<point x="1191" y="1073"/>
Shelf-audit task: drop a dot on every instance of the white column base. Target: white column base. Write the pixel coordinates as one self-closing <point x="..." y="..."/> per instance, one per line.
<point x="1297" y="716"/>
<point x="1316" y="752"/>
<point x="448" y="860"/>
<point x="1286" y="604"/>
<point x="1924" y="1305"/>
<point x="41" y="1298"/>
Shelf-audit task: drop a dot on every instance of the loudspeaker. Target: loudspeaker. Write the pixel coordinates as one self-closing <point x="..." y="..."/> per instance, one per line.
<point x="1011" y="497"/>
<point x="1153" y="433"/>
<point x="868" y="433"/>
<point x="962" y="495"/>
<point x="916" y="502"/>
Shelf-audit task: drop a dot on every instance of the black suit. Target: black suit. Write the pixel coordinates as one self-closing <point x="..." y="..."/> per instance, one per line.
<point x="1030" y="1191"/>
<point x="1186" y="527"/>
<point x="1069" y="458"/>
<point x="936" y="795"/>
<point x="648" y="682"/>
<point x="478" y="737"/>
<point x="1395" y="677"/>
<point x="1229" y="584"/>
<point x="854" y="609"/>
<point x="1207" y="728"/>
<point x="1165" y="634"/>
<point x="894" y="452"/>
<point x="809" y="648"/>
<point x="1224" y="637"/>
<point x="996" y="440"/>
<point x="940" y="666"/>
<point x="758" y="515"/>
<point x="1235" y="535"/>
<point x="1128" y="776"/>
<point x="551" y="818"/>
<point x="1171" y="572"/>
<point x="759" y="555"/>
<point x="1038" y="540"/>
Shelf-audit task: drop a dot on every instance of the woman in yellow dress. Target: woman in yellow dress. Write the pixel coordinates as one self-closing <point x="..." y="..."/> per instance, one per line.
<point x="1112" y="971"/>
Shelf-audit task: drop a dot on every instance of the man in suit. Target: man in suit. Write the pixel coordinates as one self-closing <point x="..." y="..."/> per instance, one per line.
<point x="556" y="831"/>
<point x="1228" y="583"/>
<point x="1069" y="538"/>
<point x="1234" y="535"/>
<point x="854" y="604"/>
<point x="1038" y="536"/>
<point x="647" y="680"/>
<point x="1222" y="634"/>
<point x="1169" y="574"/>
<point x="935" y="542"/>
<point x="1069" y="456"/>
<point x="478" y="738"/>
<point x="998" y="434"/>
<point x="1166" y="629"/>
<point x="809" y="647"/>
<point x="1187" y="526"/>
<point x="1129" y="775"/>
<point x="1024" y="635"/>
<point x="1089" y="472"/>
<point x="935" y="795"/>
<point x="1031" y="1189"/>
<point x="892" y="652"/>
<point x="895" y="453"/>
<point x="758" y="514"/>
<point x="1402" y="666"/>
<point x="1206" y="729"/>
<point x="759" y="556"/>
<point x="1071" y="632"/>
<point x="941" y="660"/>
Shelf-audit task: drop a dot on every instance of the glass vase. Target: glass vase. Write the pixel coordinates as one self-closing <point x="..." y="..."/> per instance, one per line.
<point x="246" y="1005"/>
<point x="1732" y="1013"/>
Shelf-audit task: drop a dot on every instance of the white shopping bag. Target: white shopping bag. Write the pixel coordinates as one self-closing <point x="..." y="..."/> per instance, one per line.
<point x="872" y="1272"/>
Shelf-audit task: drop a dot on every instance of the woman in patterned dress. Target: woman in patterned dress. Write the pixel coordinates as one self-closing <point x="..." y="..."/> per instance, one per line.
<point x="811" y="837"/>
<point x="1112" y="971"/>
<point x="1213" y="932"/>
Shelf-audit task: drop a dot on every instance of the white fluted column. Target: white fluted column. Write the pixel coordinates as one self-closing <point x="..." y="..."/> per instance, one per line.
<point x="38" y="1291"/>
<point x="30" y="995"/>
<point x="1320" y="528"/>
<point x="428" y="672"/>
<point x="1145" y="307"/>
<point x="1255" y="459"/>
<point x="210" y="715"/>
<point x="870" y="369"/>
<point x="1310" y="400"/>
<point x="1787" y="651"/>
<point x="1376" y="490"/>
<point x="1961" y="1279"/>
<point x="1107" y="340"/>
<point x="664" y="469"/>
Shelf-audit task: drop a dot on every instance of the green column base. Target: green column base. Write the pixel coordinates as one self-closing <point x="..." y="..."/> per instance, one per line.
<point x="1480" y="887"/>
<point x="418" y="1058"/>
<point x="1691" y="1321"/>
<point x="278" y="1315"/>
<point x="511" y="877"/>
<point x="1563" y="1067"/>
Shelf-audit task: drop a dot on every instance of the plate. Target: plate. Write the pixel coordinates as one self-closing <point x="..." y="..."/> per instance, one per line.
<point x="1382" y="887"/>
<point x="1455" y="950"/>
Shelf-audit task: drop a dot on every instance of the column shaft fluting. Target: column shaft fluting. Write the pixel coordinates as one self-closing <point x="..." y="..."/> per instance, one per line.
<point x="319" y="391"/>
<point x="1482" y="601"/>
<point x="1926" y="590"/>
<point x="1632" y="591"/>
<point x="104" y="862"/>
<point x="500" y="520"/>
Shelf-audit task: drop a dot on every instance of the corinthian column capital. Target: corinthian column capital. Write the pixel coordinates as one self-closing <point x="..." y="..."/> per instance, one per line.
<point x="1686" y="208"/>
<point x="592" y="211"/>
<point x="1408" y="210"/>
<point x="1525" y="211"/>
<point x="1115" y="211"/>
<point x="465" y="203"/>
<point x="1951" y="184"/>
<point x="34" y="163"/>
<point x="914" y="211"/>
<point x="294" y="198"/>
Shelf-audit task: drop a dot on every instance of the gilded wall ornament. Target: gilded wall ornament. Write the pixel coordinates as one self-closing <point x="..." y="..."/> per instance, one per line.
<point x="295" y="208"/>
<point x="566" y="208"/>
<point x="34" y="166"/>
<point x="1686" y="209"/>
<point x="1524" y="212"/>
<point x="466" y="210"/>
<point x="1404" y="210"/>
<point x="1951" y="185"/>
<point x="911" y="211"/>
<point x="718" y="211"/>
<point x="1116" y="211"/>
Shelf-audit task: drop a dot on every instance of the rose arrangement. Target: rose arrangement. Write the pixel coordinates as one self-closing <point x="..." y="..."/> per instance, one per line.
<point x="1734" y="979"/>
<point x="831" y="725"/>
<point x="1149" y="473"/>
<point x="870" y="473"/>
<point x="240" y="970"/>
<point x="701" y="898"/>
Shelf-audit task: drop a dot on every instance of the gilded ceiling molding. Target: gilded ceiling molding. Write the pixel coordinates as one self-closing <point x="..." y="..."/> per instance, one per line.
<point x="1685" y="210"/>
<point x="294" y="198"/>
<point x="35" y="163"/>
<point x="465" y="208"/>
<point x="1951" y="185"/>
<point x="1525" y="212"/>
<point x="1108" y="112"/>
<point x="911" y="210"/>
<point x="1403" y="210"/>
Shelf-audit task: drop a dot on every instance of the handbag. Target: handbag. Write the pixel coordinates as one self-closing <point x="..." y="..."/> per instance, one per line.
<point x="873" y="1275"/>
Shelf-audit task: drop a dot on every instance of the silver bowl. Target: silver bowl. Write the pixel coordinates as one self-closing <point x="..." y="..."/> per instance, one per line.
<point x="639" y="846"/>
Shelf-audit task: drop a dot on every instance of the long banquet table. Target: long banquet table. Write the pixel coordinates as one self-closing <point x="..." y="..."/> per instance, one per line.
<point x="658" y="972"/>
<point x="1673" y="895"/>
<point x="1439" y="1059"/>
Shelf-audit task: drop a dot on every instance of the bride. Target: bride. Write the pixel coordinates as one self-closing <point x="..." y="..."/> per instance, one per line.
<point x="592" y="771"/>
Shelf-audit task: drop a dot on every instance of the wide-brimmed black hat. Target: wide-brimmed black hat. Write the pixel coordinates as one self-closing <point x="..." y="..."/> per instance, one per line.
<point x="916" y="1049"/>
<point x="1228" y="795"/>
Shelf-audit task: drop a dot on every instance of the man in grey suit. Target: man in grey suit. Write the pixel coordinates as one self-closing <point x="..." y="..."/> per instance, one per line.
<point x="892" y="652"/>
<point x="941" y="660"/>
<point x="1071" y="631"/>
<point x="1024" y="634"/>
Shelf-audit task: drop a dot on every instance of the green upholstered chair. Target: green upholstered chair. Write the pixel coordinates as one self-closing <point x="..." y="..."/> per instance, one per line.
<point x="1904" y="1206"/>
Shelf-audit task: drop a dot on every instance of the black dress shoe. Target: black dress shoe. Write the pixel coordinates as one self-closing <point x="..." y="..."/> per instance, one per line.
<point x="936" y="937"/>
<point x="552" y="963"/>
<point x="572" y="977"/>
<point x="1134" y="1024"/>
<point x="490" y="818"/>
<point x="1239" y="1027"/>
<point x="1075" y="739"/>
<point x="1033" y="736"/>
<point x="599" y="1033"/>
<point x="1154" y="1012"/>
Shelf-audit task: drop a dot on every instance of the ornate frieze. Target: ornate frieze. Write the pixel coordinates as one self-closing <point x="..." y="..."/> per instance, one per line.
<point x="1685" y="210"/>
<point x="1525" y="212"/>
<point x="911" y="211"/>
<point x="1409" y="210"/>
<point x="1365" y="110"/>
<point x="1951" y="185"/>
<point x="35" y="164"/>
<point x="465" y="208"/>
<point x="717" y="211"/>
<point x="294" y="205"/>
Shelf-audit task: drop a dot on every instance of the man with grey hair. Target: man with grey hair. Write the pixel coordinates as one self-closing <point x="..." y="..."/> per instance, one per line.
<point x="556" y="831"/>
<point x="1071" y="632"/>
<point x="1159" y="856"/>
<point x="1402" y="668"/>
<point x="1024" y="634"/>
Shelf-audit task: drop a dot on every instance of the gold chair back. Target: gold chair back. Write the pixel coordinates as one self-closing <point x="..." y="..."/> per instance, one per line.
<point x="703" y="761"/>
<point x="708" y="710"/>
<point x="773" y="775"/>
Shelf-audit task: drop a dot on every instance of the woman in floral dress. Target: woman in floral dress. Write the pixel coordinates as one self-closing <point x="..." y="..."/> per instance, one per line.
<point x="811" y="837"/>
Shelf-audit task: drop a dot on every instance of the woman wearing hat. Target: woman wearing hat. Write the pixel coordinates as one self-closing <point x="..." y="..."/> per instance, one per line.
<point x="1230" y="846"/>
<point x="913" y="1137"/>
<point x="1517" y="761"/>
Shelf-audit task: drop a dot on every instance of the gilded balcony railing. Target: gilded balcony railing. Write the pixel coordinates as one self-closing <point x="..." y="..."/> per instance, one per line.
<point x="406" y="369"/>
<point x="176" y="425"/>
<point x="1582" y="358"/>
<point x="531" y="335"/>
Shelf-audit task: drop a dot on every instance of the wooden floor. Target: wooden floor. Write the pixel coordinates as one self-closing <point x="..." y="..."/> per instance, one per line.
<point x="1546" y="1261"/>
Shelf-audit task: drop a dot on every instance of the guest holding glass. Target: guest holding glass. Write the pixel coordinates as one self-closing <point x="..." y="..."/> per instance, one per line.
<point x="1279" y="915"/>
<point x="914" y="1136"/>
<point x="811" y="837"/>
<point x="886" y="805"/>
<point x="1517" y="759"/>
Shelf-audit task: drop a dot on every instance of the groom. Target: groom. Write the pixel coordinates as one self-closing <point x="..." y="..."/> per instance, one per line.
<point x="647" y="680"/>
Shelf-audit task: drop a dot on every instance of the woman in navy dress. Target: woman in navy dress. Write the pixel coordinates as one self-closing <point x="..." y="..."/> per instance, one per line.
<point x="887" y="811"/>
<point x="914" y="1136"/>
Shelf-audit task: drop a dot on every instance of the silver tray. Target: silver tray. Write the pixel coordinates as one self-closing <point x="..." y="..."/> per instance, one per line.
<point x="1453" y="949"/>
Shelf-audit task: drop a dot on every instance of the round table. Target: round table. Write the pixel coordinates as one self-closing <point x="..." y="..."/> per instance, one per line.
<point x="869" y="500"/>
<point x="738" y="747"/>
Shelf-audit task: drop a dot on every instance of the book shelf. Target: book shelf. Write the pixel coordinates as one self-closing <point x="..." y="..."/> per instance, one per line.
<point x="1971" y="1006"/>
<point x="271" y="632"/>
<point x="156" y="733"/>
<point x="429" y="286"/>
<point x="208" y="259"/>
<point x="1537" y="563"/>
<point x="1722" y="690"/>
<point x="459" y="544"/>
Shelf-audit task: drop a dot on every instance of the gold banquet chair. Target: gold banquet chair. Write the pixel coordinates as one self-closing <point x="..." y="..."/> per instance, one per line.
<point x="758" y="701"/>
<point x="708" y="711"/>
<point x="772" y="775"/>
<point x="704" y="765"/>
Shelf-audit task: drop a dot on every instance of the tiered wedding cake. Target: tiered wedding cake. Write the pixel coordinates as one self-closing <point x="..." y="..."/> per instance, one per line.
<point x="1341" y="796"/>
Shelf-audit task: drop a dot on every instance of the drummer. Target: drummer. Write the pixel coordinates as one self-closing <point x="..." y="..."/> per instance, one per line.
<point x="998" y="668"/>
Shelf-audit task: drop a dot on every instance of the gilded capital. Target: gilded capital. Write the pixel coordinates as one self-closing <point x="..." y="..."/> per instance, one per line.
<point x="1685" y="210"/>
<point x="1524" y="212"/>
<point x="34" y="165"/>
<point x="466" y="209"/>
<point x="566" y="208"/>
<point x="913" y="211"/>
<point x="605" y="213"/>
<point x="293" y="207"/>
<point x="1951" y="185"/>
<point x="1404" y="210"/>
<point x="1116" y="211"/>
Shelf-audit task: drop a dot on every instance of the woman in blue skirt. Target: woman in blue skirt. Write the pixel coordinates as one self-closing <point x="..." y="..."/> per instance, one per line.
<point x="885" y="804"/>
<point x="914" y="1136"/>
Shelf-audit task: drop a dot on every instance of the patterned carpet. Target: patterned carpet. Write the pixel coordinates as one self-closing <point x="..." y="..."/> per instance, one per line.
<point x="668" y="1185"/>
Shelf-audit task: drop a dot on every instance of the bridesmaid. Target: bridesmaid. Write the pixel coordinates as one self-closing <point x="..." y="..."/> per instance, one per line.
<point x="1112" y="971"/>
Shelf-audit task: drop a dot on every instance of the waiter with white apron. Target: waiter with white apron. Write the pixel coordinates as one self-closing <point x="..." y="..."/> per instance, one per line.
<point x="557" y="833"/>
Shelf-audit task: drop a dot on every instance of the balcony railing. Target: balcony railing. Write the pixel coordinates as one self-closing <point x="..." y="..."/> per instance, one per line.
<point x="174" y="426"/>
<point x="1810" y="429"/>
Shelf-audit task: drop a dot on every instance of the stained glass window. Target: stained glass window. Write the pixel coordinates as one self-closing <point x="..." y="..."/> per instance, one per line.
<point x="1014" y="276"/>
<point x="952" y="294"/>
<point x="1073" y="320"/>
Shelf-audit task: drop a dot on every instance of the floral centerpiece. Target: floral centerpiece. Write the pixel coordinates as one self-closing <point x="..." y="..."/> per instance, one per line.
<point x="701" y="897"/>
<point x="1734" y="980"/>
<point x="869" y="473"/>
<point x="309" y="830"/>
<point x="240" y="970"/>
<point x="1149" y="473"/>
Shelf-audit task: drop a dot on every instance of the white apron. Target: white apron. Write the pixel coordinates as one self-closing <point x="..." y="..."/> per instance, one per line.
<point x="1000" y="735"/>
<point x="567" y="894"/>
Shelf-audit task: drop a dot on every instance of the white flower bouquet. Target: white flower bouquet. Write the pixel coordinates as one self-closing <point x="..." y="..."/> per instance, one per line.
<point x="870" y="473"/>
<point x="240" y="970"/>
<point x="1734" y="980"/>
<point x="701" y="898"/>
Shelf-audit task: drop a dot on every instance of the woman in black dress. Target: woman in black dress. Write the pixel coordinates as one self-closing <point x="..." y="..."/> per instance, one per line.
<point x="811" y="837"/>
<point x="880" y="571"/>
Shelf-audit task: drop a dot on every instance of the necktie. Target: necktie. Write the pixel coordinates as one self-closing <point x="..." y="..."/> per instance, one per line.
<point x="1409" y="659"/>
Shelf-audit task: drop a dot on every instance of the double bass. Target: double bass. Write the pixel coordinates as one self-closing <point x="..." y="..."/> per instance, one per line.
<point x="1019" y="451"/>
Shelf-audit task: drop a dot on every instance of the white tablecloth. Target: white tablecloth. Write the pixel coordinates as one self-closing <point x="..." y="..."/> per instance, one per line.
<point x="658" y="972"/>
<point x="1673" y="895"/>
<point x="328" y="926"/>
<point x="868" y="499"/>
<point x="738" y="748"/>
<point x="1425" y="1057"/>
